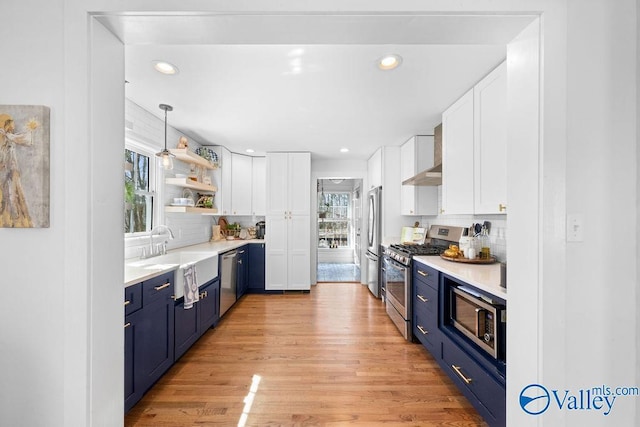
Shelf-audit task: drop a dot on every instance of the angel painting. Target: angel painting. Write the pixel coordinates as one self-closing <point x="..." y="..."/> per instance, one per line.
<point x="21" y="155"/>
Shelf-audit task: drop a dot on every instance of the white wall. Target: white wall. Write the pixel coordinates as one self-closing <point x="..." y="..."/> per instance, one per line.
<point x="53" y="373"/>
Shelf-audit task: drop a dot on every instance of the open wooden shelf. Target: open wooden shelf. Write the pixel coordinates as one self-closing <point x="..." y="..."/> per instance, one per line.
<point x="187" y="183"/>
<point x="190" y="209"/>
<point x="183" y="154"/>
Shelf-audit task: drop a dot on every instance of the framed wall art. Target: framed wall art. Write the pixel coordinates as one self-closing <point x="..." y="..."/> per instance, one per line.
<point x="24" y="166"/>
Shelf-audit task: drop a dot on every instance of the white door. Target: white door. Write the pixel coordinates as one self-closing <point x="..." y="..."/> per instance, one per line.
<point x="299" y="180"/>
<point x="277" y="183"/>
<point x="241" y="180"/>
<point x="259" y="186"/>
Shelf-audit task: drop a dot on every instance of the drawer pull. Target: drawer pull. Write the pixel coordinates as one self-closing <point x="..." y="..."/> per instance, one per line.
<point x="126" y="325"/>
<point x="159" y="288"/>
<point x="423" y="330"/>
<point x="422" y="273"/>
<point x="204" y="294"/>
<point x="421" y="298"/>
<point x="127" y="302"/>
<point x="461" y="375"/>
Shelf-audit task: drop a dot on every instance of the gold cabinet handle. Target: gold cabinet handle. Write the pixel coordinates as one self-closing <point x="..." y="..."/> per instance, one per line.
<point x="126" y="325"/>
<point x="159" y="288"/>
<point x="423" y="330"/>
<point x="502" y="207"/>
<point x="127" y="302"/>
<point x="421" y="298"/>
<point x="422" y="273"/>
<point x="461" y="375"/>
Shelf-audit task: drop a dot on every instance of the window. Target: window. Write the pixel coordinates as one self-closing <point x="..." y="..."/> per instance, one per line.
<point x="334" y="220"/>
<point x="138" y="191"/>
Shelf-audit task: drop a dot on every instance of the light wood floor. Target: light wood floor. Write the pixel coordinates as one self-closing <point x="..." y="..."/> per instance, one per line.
<point x="329" y="357"/>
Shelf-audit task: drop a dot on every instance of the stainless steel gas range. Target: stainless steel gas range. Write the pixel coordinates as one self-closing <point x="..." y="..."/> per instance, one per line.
<point x="396" y="272"/>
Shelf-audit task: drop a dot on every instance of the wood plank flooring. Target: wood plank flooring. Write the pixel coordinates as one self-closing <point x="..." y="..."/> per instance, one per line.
<point x="328" y="357"/>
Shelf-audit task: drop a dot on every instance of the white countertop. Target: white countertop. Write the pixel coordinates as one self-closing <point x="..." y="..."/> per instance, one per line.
<point x="485" y="277"/>
<point x="133" y="275"/>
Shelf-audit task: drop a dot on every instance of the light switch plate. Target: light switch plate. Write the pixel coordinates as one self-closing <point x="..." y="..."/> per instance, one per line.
<point x="575" y="228"/>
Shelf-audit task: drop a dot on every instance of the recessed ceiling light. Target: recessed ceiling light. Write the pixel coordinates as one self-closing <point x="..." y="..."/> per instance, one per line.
<point x="389" y="62"/>
<point x="250" y="150"/>
<point x="165" y="67"/>
<point x="344" y="150"/>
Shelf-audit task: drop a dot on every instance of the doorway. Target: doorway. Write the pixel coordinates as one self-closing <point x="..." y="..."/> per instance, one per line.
<point x="338" y="225"/>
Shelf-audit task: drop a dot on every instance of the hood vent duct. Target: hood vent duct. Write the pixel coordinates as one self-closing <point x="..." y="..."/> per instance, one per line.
<point x="433" y="176"/>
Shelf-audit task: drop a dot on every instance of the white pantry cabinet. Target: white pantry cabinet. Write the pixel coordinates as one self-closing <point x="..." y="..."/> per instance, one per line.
<point x="416" y="155"/>
<point x="288" y="221"/>
<point x="474" y="144"/>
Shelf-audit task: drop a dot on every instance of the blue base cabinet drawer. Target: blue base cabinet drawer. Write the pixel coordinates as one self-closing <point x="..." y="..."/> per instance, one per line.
<point x="485" y="392"/>
<point x="132" y="298"/>
<point x="425" y="329"/>
<point x="427" y="275"/>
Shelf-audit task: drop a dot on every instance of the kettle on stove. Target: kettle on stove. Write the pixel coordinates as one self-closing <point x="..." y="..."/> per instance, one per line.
<point x="260" y="229"/>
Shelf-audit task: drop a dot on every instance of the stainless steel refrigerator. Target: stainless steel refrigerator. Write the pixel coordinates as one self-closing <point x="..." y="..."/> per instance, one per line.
<point x="374" y="228"/>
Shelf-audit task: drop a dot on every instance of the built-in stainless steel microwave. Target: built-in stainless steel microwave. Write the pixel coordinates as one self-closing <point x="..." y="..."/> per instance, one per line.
<point x="480" y="319"/>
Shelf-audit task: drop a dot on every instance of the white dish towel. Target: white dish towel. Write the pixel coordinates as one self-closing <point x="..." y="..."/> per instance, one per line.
<point x="191" y="293"/>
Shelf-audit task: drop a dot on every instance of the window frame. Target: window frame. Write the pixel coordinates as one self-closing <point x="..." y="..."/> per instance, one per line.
<point x="348" y="219"/>
<point x="154" y="187"/>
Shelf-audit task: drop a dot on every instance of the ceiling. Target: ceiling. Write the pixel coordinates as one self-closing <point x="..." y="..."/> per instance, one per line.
<point x="307" y="82"/>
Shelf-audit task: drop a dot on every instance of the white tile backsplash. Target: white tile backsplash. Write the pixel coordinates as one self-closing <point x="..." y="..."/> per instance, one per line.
<point x="497" y="234"/>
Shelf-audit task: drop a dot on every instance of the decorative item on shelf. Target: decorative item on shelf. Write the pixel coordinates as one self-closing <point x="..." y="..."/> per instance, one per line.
<point x="208" y="154"/>
<point x="165" y="155"/>
<point x="206" y="180"/>
<point x="183" y="142"/>
<point x="193" y="173"/>
<point x="205" y="201"/>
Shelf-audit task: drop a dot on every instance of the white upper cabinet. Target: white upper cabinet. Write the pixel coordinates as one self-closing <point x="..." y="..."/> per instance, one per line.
<point x="474" y="143"/>
<point x="457" y="157"/>
<point x="222" y="179"/>
<point x="259" y="186"/>
<point x="374" y="169"/>
<point x="416" y="155"/>
<point x="490" y="143"/>
<point x="241" y="181"/>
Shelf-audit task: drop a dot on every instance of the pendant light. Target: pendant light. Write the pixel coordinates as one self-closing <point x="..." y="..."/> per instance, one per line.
<point x="165" y="155"/>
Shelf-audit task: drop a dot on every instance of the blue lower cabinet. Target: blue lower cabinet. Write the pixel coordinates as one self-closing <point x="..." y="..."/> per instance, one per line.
<point x="425" y="329"/>
<point x="256" y="268"/>
<point x="486" y="392"/>
<point x="187" y="327"/>
<point x="148" y="336"/>
<point x="192" y="323"/>
<point x="209" y="305"/>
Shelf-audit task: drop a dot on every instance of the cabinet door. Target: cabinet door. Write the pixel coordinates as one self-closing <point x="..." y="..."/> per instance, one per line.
<point x="256" y="267"/>
<point x="156" y="340"/>
<point x="259" y="186"/>
<point x="276" y="249"/>
<point x="209" y="305"/>
<point x="457" y="157"/>
<point x="241" y="181"/>
<point x="133" y="385"/>
<point x="299" y="258"/>
<point x="374" y="169"/>
<point x="187" y="328"/>
<point x="222" y="179"/>
<point x="490" y="142"/>
<point x="299" y="183"/>
<point x="277" y="184"/>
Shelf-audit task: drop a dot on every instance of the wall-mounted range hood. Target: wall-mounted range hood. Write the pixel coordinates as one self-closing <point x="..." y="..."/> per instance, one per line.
<point x="431" y="176"/>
